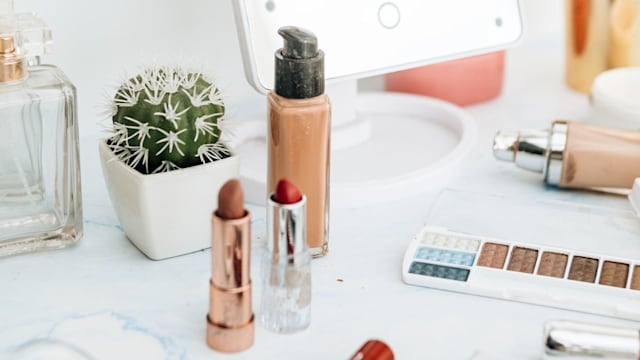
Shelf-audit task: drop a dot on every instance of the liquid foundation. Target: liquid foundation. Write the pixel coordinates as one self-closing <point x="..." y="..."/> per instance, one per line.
<point x="575" y="155"/>
<point x="299" y="126"/>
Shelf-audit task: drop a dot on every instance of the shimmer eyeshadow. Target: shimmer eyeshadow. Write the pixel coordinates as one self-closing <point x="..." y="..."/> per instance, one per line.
<point x="583" y="269"/>
<point x="523" y="260"/>
<point x="635" y="280"/>
<point x="439" y="271"/>
<point x="553" y="264"/>
<point x="614" y="274"/>
<point x="445" y="256"/>
<point x="451" y="242"/>
<point x="493" y="255"/>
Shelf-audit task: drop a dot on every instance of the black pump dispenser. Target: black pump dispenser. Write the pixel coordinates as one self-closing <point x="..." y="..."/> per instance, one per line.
<point x="299" y="65"/>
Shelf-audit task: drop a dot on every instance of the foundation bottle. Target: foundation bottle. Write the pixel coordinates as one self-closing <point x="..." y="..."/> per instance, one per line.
<point x="587" y="41"/>
<point x="574" y="155"/>
<point x="299" y="126"/>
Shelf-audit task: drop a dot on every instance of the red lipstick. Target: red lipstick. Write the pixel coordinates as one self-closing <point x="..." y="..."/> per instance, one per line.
<point x="287" y="192"/>
<point x="230" y="326"/>
<point x="373" y="350"/>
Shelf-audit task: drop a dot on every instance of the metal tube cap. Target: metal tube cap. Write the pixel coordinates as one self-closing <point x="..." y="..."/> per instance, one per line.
<point x="527" y="148"/>
<point x="575" y="340"/>
<point x="505" y="145"/>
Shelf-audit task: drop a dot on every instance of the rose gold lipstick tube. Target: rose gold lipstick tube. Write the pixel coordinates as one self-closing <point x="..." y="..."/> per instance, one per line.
<point x="230" y="324"/>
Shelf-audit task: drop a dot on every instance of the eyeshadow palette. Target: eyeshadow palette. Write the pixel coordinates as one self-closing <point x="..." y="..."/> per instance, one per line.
<point x="538" y="274"/>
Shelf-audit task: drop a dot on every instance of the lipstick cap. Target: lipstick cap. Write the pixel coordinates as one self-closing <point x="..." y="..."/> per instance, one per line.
<point x="575" y="340"/>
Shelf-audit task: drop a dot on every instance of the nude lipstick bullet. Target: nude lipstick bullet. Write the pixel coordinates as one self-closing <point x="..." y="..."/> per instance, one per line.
<point x="230" y="325"/>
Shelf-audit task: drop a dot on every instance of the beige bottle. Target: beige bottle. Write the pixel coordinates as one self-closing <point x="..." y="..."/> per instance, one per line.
<point x="575" y="155"/>
<point x="587" y="41"/>
<point x="625" y="33"/>
<point x="299" y="130"/>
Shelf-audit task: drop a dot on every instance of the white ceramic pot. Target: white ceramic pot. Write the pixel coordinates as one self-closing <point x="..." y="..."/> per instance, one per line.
<point x="166" y="214"/>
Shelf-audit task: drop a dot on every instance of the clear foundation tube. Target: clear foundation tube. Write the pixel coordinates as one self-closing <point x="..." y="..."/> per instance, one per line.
<point x="574" y="155"/>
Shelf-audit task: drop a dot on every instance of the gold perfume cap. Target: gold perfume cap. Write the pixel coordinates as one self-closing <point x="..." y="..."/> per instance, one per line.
<point x="11" y="66"/>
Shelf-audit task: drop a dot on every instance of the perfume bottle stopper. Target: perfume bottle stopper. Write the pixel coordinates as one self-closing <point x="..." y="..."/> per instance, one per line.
<point x="11" y="66"/>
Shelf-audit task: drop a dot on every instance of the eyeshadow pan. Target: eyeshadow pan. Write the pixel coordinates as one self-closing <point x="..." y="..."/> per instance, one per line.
<point x="439" y="271"/>
<point x="445" y="256"/>
<point x="635" y="280"/>
<point x="614" y="274"/>
<point x="450" y="242"/>
<point x="583" y="269"/>
<point x="523" y="260"/>
<point x="493" y="255"/>
<point x="553" y="264"/>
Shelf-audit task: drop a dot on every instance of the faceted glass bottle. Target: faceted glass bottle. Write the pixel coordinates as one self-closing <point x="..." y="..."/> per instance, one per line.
<point x="40" y="196"/>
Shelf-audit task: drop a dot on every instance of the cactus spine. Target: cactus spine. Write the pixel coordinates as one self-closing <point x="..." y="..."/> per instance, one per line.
<point x="167" y="118"/>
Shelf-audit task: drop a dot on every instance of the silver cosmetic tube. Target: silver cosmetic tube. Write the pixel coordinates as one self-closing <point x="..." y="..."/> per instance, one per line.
<point x="286" y="238"/>
<point x="540" y="151"/>
<point x="565" y="339"/>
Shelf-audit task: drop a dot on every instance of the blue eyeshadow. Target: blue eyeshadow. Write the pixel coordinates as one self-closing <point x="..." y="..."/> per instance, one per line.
<point x="445" y="256"/>
<point x="439" y="271"/>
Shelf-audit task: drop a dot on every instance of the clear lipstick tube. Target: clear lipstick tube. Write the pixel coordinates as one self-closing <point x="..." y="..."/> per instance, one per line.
<point x="286" y="269"/>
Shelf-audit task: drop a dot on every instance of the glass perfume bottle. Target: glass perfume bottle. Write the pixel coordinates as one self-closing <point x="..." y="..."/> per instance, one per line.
<point x="40" y="198"/>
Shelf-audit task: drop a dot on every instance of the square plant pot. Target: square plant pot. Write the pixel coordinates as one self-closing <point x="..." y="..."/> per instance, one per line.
<point x="166" y="214"/>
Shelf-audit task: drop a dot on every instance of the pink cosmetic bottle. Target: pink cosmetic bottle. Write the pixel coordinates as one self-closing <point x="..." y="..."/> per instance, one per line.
<point x="463" y="82"/>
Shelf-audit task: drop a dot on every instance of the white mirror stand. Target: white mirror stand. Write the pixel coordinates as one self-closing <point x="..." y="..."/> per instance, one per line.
<point x="384" y="145"/>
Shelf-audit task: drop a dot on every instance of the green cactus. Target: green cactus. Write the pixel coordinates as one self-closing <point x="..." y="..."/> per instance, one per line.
<point x="167" y="118"/>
